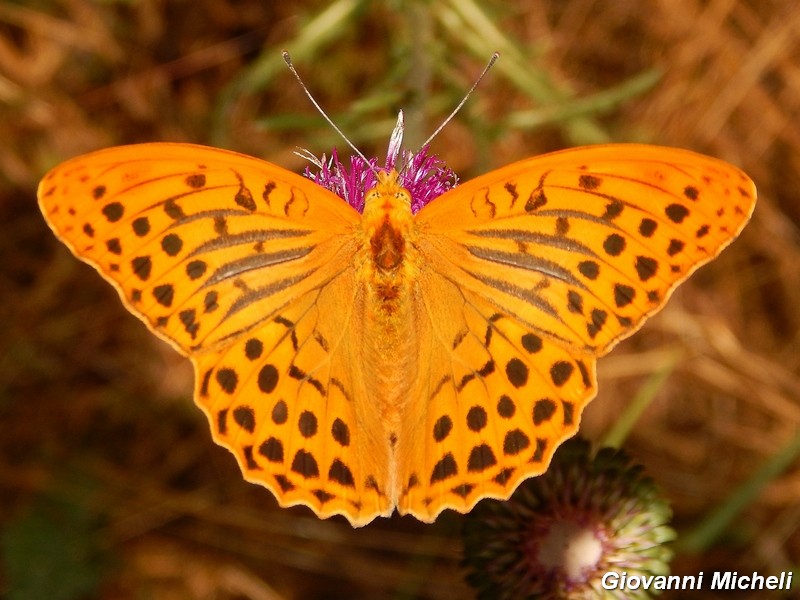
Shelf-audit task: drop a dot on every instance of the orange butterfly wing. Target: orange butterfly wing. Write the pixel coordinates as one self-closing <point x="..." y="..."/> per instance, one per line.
<point x="247" y="269"/>
<point x="531" y="272"/>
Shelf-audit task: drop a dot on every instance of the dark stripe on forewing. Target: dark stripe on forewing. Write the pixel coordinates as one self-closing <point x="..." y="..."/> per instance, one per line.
<point x="251" y="296"/>
<point x="210" y="214"/>
<point x="256" y="261"/>
<point x="526" y="295"/>
<point x="527" y="262"/>
<point x="248" y="237"/>
<point x="520" y="235"/>
<point x="277" y="311"/>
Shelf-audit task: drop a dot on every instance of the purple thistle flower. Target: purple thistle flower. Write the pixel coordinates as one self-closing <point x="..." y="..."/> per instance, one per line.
<point x="349" y="184"/>
<point x="424" y="176"/>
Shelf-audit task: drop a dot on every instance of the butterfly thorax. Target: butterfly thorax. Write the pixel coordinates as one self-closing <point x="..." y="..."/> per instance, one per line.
<point x="388" y="227"/>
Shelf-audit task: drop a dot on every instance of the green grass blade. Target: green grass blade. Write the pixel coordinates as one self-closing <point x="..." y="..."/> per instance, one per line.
<point x="647" y="393"/>
<point x="710" y="529"/>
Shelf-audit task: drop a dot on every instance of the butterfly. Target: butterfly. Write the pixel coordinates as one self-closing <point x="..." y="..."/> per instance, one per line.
<point x="362" y="363"/>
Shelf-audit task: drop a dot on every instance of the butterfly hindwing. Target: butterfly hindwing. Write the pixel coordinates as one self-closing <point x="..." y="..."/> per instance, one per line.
<point x="289" y="400"/>
<point x="493" y="401"/>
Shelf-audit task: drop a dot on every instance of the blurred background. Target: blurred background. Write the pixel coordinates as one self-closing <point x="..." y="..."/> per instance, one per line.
<point x="110" y="486"/>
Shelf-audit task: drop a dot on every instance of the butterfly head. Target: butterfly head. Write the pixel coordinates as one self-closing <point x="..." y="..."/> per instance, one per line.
<point x="388" y="185"/>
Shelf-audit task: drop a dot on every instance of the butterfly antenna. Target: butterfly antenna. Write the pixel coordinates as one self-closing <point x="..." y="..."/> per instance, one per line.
<point x="288" y="60"/>
<point x="488" y="66"/>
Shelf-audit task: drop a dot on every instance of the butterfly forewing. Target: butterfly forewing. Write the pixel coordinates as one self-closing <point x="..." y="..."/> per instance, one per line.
<point x="202" y="244"/>
<point x="582" y="245"/>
